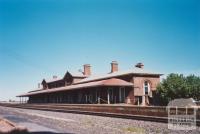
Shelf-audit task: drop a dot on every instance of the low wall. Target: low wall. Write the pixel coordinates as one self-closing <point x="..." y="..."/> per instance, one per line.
<point x="118" y="109"/>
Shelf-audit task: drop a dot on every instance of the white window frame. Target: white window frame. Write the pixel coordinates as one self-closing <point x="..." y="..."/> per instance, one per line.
<point x="148" y="86"/>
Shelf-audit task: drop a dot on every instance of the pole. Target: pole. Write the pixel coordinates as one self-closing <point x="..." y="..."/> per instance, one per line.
<point x="108" y="96"/>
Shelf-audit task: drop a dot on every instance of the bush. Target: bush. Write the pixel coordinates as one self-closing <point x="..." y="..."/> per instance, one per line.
<point x="178" y="86"/>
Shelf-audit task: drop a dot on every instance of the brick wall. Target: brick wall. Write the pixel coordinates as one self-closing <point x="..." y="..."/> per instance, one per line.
<point x="138" y="82"/>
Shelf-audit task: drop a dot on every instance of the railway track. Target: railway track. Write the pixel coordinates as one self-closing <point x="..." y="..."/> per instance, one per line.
<point x="97" y="110"/>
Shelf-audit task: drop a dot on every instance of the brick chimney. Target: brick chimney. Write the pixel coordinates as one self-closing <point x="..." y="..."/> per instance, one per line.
<point x="139" y="65"/>
<point x="114" y="66"/>
<point x="87" y="69"/>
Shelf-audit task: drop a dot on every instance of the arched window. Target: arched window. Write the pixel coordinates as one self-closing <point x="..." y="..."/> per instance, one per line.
<point x="146" y="87"/>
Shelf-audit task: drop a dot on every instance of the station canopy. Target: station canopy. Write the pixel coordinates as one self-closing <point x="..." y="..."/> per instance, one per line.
<point x="113" y="82"/>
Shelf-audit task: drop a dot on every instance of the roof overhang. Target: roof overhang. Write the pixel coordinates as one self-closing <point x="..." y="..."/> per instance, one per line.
<point x="113" y="82"/>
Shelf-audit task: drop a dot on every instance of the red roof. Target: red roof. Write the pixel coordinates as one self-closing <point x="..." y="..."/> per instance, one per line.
<point x="136" y="71"/>
<point x="108" y="82"/>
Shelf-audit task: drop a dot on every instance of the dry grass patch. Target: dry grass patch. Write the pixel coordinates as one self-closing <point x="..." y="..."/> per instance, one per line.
<point x="136" y="130"/>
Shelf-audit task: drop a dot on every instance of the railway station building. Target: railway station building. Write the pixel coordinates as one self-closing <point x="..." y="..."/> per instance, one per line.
<point x="134" y="86"/>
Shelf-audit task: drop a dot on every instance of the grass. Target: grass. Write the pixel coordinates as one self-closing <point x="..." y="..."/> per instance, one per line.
<point x="88" y="122"/>
<point x="136" y="130"/>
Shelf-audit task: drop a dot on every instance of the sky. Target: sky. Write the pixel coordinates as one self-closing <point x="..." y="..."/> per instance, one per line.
<point x="42" y="38"/>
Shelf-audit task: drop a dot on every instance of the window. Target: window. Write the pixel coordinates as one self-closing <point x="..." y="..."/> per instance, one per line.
<point x="146" y="87"/>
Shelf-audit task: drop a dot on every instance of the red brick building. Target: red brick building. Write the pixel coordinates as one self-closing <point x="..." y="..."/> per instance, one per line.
<point x="135" y="86"/>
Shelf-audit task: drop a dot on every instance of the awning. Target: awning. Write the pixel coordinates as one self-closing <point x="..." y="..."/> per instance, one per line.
<point x="108" y="82"/>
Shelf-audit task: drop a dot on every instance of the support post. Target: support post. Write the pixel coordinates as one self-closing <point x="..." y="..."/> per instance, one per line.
<point x="99" y="101"/>
<point x="96" y="98"/>
<point x="143" y="100"/>
<point x="108" y="96"/>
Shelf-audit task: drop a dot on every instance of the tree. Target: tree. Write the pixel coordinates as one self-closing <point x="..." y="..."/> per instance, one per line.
<point x="178" y="86"/>
<point x="193" y="85"/>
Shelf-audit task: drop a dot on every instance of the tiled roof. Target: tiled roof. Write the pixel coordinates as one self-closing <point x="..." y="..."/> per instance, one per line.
<point x="182" y="103"/>
<point x="108" y="82"/>
<point x="53" y="80"/>
<point x="39" y="89"/>
<point x="118" y="73"/>
<point x="78" y="74"/>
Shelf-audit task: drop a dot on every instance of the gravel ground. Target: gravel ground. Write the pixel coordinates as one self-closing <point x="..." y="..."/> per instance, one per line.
<point x="84" y="124"/>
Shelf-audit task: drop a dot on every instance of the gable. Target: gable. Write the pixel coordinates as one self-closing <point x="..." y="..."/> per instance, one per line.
<point x="68" y="78"/>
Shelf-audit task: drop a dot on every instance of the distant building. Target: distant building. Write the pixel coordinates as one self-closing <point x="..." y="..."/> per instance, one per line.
<point x="134" y="86"/>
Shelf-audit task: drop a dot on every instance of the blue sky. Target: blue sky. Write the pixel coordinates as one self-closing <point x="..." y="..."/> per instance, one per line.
<point x="41" y="38"/>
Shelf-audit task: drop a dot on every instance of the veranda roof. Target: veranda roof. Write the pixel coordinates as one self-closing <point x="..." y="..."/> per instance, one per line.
<point x="108" y="82"/>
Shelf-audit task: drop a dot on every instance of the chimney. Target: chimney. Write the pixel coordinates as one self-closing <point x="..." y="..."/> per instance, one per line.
<point x="87" y="70"/>
<point x="114" y="66"/>
<point x="54" y="77"/>
<point x="139" y="65"/>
